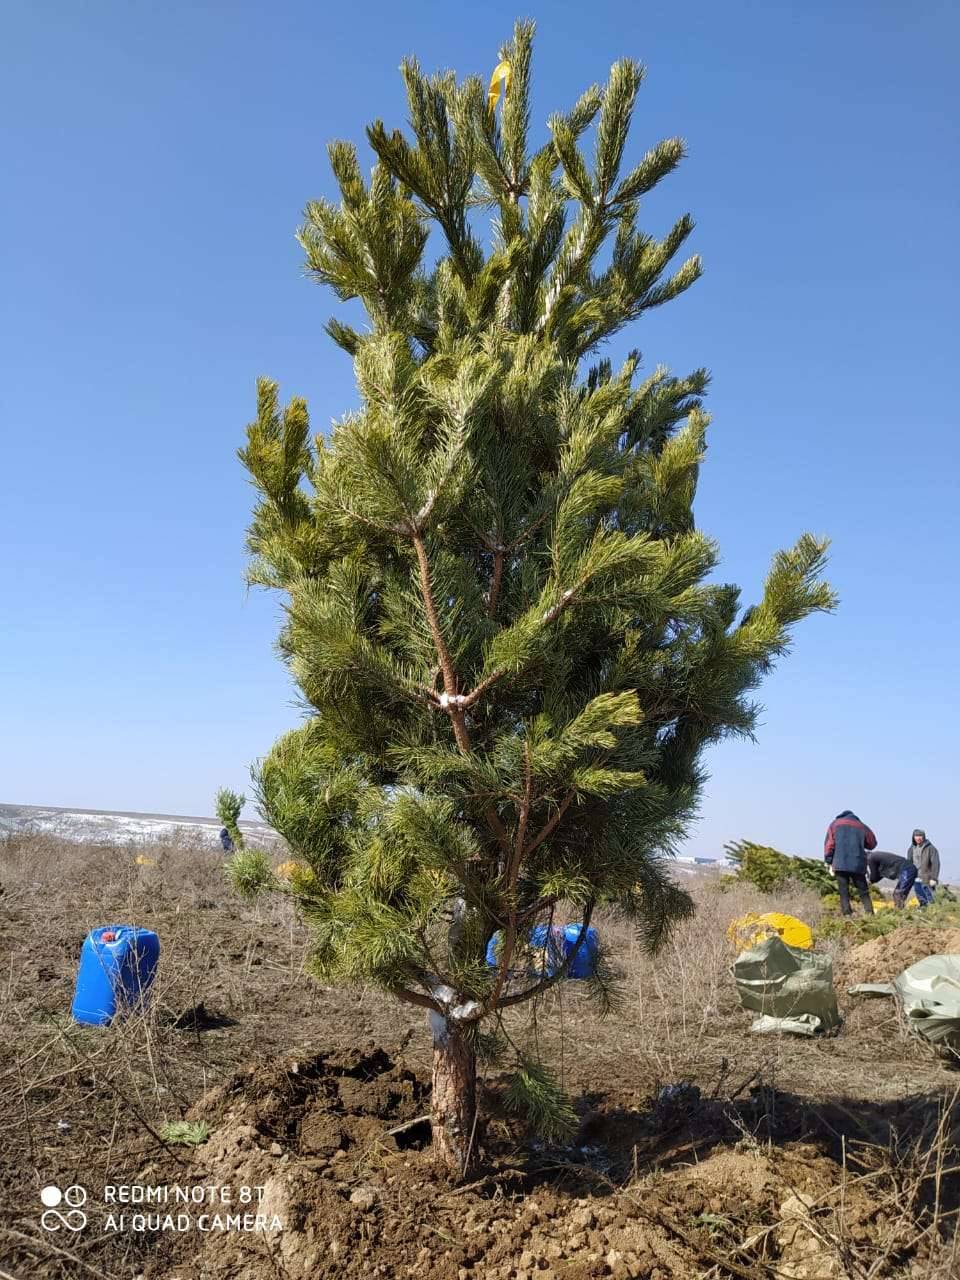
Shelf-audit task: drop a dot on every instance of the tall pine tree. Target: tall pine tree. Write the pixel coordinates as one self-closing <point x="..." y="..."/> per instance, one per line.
<point x="499" y="611"/>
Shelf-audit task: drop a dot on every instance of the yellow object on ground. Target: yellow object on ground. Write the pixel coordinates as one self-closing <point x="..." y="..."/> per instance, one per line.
<point x="144" y="861"/>
<point x="287" y="869"/>
<point x="884" y="904"/>
<point x="753" y="928"/>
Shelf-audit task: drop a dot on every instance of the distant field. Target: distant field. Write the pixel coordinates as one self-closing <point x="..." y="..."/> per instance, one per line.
<point x="112" y="827"/>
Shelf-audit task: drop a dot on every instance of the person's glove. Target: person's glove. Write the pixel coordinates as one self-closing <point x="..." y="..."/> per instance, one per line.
<point x="933" y="884"/>
<point x="832" y="872"/>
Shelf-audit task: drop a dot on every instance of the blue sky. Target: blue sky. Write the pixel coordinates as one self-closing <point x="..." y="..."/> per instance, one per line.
<point x="157" y="158"/>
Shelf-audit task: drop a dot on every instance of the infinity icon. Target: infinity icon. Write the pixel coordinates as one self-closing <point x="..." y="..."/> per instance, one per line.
<point x="73" y="1220"/>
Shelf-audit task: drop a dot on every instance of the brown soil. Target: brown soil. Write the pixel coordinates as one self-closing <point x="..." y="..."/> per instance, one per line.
<point x="376" y="1205"/>
<point x="787" y="1158"/>
<point x="882" y="959"/>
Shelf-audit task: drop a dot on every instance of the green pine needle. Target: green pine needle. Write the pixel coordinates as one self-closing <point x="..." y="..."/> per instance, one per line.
<point x="534" y="1093"/>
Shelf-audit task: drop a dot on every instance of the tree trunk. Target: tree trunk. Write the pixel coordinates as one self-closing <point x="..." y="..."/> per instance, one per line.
<point x="453" y="1109"/>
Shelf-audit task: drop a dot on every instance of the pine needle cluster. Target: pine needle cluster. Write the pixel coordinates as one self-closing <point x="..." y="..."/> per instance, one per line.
<point x="769" y="869"/>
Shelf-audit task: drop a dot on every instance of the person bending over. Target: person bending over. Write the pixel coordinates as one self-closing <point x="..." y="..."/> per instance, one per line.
<point x="890" y="866"/>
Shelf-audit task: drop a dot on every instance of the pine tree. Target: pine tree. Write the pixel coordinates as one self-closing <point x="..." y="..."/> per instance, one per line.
<point x="499" y="611"/>
<point x="229" y="806"/>
<point x="769" y="869"/>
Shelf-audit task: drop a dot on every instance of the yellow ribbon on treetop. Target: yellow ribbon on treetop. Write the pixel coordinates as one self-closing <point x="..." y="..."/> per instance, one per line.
<point x="503" y="74"/>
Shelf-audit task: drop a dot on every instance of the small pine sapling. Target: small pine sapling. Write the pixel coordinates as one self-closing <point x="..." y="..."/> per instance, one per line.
<point x="500" y="614"/>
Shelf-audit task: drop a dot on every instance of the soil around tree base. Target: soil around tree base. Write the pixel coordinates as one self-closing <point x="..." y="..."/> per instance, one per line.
<point x="337" y="1145"/>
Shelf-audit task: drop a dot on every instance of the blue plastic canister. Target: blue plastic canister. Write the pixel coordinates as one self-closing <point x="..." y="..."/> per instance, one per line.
<point x="117" y="965"/>
<point x="556" y="947"/>
<point x="537" y="939"/>
<point x="549" y="943"/>
<point x="492" y="948"/>
<point x="584" y="963"/>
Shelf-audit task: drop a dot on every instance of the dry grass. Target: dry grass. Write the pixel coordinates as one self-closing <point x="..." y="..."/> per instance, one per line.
<point x="681" y="991"/>
<point x="91" y="1104"/>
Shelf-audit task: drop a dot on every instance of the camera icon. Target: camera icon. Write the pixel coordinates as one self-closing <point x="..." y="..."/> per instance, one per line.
<point x="73" y="1219"/>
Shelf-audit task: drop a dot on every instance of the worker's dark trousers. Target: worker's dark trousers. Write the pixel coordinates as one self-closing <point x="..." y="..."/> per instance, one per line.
<point x="844" y="880"/>
<point x="904" y="884"/>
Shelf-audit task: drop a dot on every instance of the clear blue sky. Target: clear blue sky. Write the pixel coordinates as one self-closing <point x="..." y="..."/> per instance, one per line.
<point x="156" y="158"/>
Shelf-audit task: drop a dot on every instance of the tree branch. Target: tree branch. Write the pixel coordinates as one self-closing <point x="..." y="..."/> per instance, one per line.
<point x="549" y="827"/>
<point x="499" y="830"/>
<point x="450" y="700"/>
<point x="541" y="904"/>
<point x="494" y="596"/>
<point x="415" y="997"/>
<point x="545" y="984"/>
<point x="469" y="699"/>
<point x="512" y="874"/>
<point x="524" y="816"/>
<point x="433" y="618"/>
<point x="476" y="694"/>
<point x="451" y="703"/>
<point x="398" y="528"/>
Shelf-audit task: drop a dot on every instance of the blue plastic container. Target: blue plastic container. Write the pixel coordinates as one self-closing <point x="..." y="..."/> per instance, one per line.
<point x="548" y="943"/>
<point x="584" y="963"/>
<point x="555" y="948"/>
<point x="115" y="972"/>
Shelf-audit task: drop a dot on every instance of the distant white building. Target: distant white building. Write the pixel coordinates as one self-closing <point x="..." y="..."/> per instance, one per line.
<point x="688" y="864"/>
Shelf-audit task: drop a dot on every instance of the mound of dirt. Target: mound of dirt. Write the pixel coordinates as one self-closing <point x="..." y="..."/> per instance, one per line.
<point x="339" y="1149"/>
<point x="882" y="959"/>
<point x="326" y="1106"/>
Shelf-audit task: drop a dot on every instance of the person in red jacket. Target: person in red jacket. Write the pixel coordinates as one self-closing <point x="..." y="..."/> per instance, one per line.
<point x="845" y="849"/>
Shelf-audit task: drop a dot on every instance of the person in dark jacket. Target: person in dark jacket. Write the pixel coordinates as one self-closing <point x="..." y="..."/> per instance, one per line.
<point x="926" y="858"/>
<point x="890" y="866"/>
<point x="845" y="849"/>
<point x="226" y="842"/>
